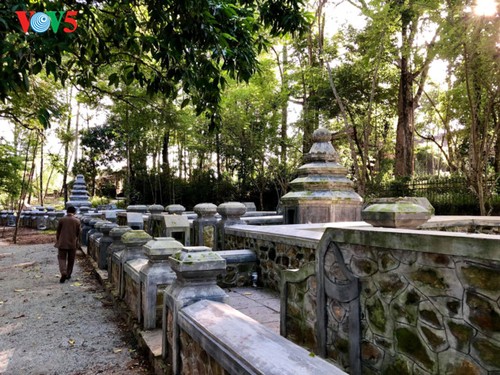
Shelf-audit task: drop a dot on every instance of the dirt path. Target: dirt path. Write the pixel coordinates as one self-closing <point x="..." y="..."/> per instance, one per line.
<point x="51" y="328"/>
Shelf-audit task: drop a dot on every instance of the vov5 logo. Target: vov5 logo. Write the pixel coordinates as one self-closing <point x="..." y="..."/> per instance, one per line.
<point x="41" y="21"/>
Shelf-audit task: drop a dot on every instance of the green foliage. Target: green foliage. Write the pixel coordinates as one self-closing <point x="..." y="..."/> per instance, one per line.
<point x="10" y="170"/>
<point x="97" y="201"/>
<point x="158" y="44"/>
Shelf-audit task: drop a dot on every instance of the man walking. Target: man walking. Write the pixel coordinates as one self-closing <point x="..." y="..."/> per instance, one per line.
<point x="67" y="241"/>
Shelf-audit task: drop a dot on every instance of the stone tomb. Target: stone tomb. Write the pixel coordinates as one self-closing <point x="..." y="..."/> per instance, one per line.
<point x="321" y="193"/>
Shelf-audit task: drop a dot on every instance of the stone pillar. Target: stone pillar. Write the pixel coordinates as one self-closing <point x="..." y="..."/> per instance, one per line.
<point x="155" y="275"/>
<point x="94" y="239"/>
<point x="133" y="241"/>
<point x="104" y="243"/>
<point x="85" y="224"/>
<point x="155" y="224"/>
<point x="231" y="213"/>
<point x="196" y="269"/>
<point x="113" y="253"/>
<point x="205" y="225"/>
<point x="92" y="222"/>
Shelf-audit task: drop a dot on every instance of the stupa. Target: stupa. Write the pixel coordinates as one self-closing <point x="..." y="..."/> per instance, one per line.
<point x="322" y="192"/>
<point x="79" y="196"/>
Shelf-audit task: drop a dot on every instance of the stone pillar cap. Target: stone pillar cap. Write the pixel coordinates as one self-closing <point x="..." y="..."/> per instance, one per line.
<point x="118" y="231"/>
<point x="156" y="208"/>
<point x="197" y="262"/>
<point x="140" y="208"/>
<point x="160" y="248"/>
<point x="135" y="237"/>
<point x="99" y="224"/>
<point x="231" y="209"/>
<point x="205" y="209"/>
<point x="106" y="227"/>
<point x="175" y="209"/>
<point x="395" y="213"/>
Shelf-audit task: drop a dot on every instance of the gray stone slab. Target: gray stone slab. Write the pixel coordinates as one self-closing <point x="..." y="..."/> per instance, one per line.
<point x="244" y="346"/>
<point x="262" y="314"/>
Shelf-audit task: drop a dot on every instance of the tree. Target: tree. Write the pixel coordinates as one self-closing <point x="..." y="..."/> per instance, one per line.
<point x="159" y="43"/>
<point x="467" y="113"/>
<point x="10" y="173"/>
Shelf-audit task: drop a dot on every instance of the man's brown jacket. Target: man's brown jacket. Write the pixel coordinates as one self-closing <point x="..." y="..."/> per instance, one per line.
<point x="68" y="233"/>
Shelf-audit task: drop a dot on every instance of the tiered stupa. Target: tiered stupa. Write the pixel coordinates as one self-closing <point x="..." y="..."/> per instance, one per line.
<point x="321" y="193"/>
<point x="79" y="196"/>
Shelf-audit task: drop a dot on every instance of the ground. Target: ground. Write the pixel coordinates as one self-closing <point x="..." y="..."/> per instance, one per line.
<point x="52" y="328"/>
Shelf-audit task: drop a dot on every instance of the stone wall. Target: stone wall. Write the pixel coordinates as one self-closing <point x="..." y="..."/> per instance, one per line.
<point x="195" y="360"/>
<point x="428" y="301"/>
<point x="425" y="302"/>
<point x="275" y="252"/>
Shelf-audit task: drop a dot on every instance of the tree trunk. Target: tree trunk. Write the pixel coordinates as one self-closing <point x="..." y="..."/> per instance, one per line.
<point x="22" y="193"/>
<point x="404" y="163"/>
<point x="284" y="106"/>
<point x="33" y="165"/>
<point x="77" y="138"/>
<point x="40" y="195"/>
<point x="66" y="152"/>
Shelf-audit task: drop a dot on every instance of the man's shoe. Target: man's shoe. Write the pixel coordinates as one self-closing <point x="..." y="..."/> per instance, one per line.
<point x="68" y="277"/>
<point x="62" y="279"/>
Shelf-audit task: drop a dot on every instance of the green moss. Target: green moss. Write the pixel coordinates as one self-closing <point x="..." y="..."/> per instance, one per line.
<point x="391" y="286"/>
<point x="387" y="262"/>
<point x="482" y="277"/>
<point x="482" y="313"/>
<point x="453" y="306"/>
<point x="434" y="340"/>
<point x="488" y="352"/>
<point x="364" y="266"/>
<point x="399" y="367"/>
<point x="409" y="343"/>
<point x="412" y="298"/>
<point x="377" y="315"/>
<point x="429" y="277"/>
<point x="462" y="333"/>
<point x="430" y="317"/>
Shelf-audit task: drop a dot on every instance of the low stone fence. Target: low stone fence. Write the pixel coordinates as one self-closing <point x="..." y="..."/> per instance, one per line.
<point x="399" y="301"/>
<point x="199" y="333"/>
<point x="380" y="300"/>
<point x="217" y="339"/>
<point x="203" y="335"/>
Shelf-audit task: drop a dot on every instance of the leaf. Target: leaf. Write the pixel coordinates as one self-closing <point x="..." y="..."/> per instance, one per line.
<point x="19" y="290"/>
<point x="185" y="102"/>
<point x="76" y="284"/>
<point x="117" y="350"/>
<point x="71" y="342"/>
